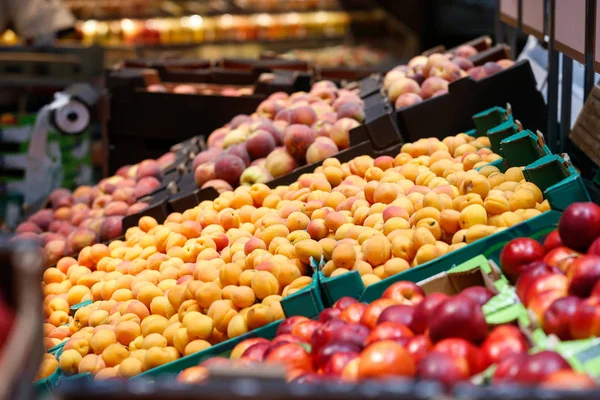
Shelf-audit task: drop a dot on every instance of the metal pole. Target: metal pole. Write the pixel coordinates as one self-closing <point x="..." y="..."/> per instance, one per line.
<point x="499" y="26"/>
<point x="565" y="101"/>
<point x="552" y="79"/>
<point x="590" y="44"/>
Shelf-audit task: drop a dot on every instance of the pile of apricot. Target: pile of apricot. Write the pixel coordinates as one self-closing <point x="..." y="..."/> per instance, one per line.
<point x="222" y="268"/>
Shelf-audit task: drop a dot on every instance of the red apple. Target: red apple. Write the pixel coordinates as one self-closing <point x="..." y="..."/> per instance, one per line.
<point x="596" y="290"/>
<point x="337" y="362"/>
<point x="508" y="368"/>
<point x="546" y="283"/>
<point x="388" y="331"/>
<point x="499" y="345"/>
<point x="594" y="248"/>
<point x="457" y="317"/>
<point x="579" y="225"/>
<point x="583" y="275"/>
<point x="354" y="312"/>
<point x="329" y="313"/>
<point x="569" y="380"/>
<point x="479" y="294"/>
<point x="585" y="322"/>
<point x="351" y="333"/>
<point x="418" y="347"/>
<point x="561" y="257"/>
<point x="256" y="352"/>
<point x="538" y="366"/>
<point x="344" y="302"/>
<point x="288" y="324"/>
<point x="557" y="318"/>
<point x="424" y="309"/>
<point x="518" y="253"/>
<point x="305" y="329"/>
<point x="385" y="359"/>
<point x="291" y="355"/>
<point x="404" y="292"/>
<point x="540" y="303"/>
<point x="442" y="368"/>
<point x="401" y="314"/>
<point x="288" y="338"/>
<point x="552" y="240"/>
<point x="462" y="349"/>
<point x="307" y="378"/>
<point x="374" y="310"/>
<point x="323" y="334"/>
<point x="324" y="354"/>
<point x="532" y="273"/>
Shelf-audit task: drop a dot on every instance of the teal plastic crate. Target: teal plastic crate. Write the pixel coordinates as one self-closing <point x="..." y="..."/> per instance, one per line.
<point x="500" y="132"/>
<point x="522" y="148"/>
<point x="350" y="284"/>
<point x="560" y="183"/>
<point x="490" y="118"/>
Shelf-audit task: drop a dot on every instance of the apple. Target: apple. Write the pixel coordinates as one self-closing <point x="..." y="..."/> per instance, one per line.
<point x="536" y="367"/>
<point x="322" y="356"/>
<point x="337" y="362"/>
<point x="546" y="283"/>
<point x="404" y="292"/>
<point x="374" y="310"/>
<point x="502" y="343"/>
<point x="291" y="355"/>
<point x="288" y="338"/>
<point x="307" y="378"/>
<point x="305" y="329"/>
<point x="583" y="275"/>
<point x="418" y="346"/>
<point x="354" y="312"/>
<point x="256" y="352"/>
<point x="424" y="309"/>
<point x="388" y="331"/>
<point x="508" y="368"/>
<point x="344" y="302"/>
<point x="240" y="348"/>
<point x="594" y="248"/>
<point x="479" y="294"/>
<point x="352" y="333"/>
<point x="442" y="368"/>
<point x="462" y="349"/>
<point x="288" y="324"/>
<point x="561" y="257"/>
<point x="457" y="317"/>
<point x="536" y="269"/>
<point x="385" y="359"/>
<point x="552" y="240"/>
<point x="323" y="334"/>
<point x="585" y="322"/>
<point x="540" y="303"/>
<point x="329" y="313"/>
<point x="519" y="253"/>
<point x="557" y="318"/>
<point x="401" y="314"/>
<point x="579" y="225"/>
<point x="568" y="380"/>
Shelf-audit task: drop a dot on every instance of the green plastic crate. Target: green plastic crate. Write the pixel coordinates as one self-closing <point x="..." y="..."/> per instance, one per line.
<point x="560" y="182"/>
<point x="522" y="148"/>
<point x="490" y="118"/>
<point x="500" y="132"/>
<point x="350" y="284"/>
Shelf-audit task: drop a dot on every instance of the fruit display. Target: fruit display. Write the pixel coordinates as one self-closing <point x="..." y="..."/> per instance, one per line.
<point x="404" y="334"/>
<point x="206" y="90"/>
<point x="337" y="56"/>
<point x="223" y="268"/>
<point x="558" y="280"/>
<point x="285" y="132"/>
<point x="92" y="214"/>
<point x="429" y="76"/>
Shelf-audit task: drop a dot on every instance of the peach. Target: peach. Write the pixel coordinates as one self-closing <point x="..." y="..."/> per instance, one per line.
<point x="229" y="168"/>
<point x="69" y="361"/>
<point x="402" y="86"/>
<point x="297" y="139"/>
<point x="111" y="228"/>
<point x="445" y="69"/>
<point x="303" y="115"/>
<point x="340" y="132"/>
<point x="392" y="76"/>
<point x="407" y="100"/>
<point x="322" y="148"/>
<point x="54" y="250"/>
<point x="432" y="85"/>
<point x="280" y="162"/>
<point x="204" y="173"/>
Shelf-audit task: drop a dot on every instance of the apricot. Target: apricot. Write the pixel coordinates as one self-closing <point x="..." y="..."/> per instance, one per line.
<point x="259" y="315"/>
<point x="264" y="284"/>
<point x="130" y="367"/>
<point x="198" y="326"/>
<point x="514" y="174"/>
<point x="221" y="312"/>
<point x="154" y="324"/>
<point x="91" y="363"/>
<point x="196" y="346"/>
<point x="69" y="361"/>
<point x="344" y="256"/>
<point x="522" y="199"/>
<point x="114" y="354"/>
<point x="495" y="204"/>
<point x="376" y="250"/>
<point x="127" y="331"/>
<point x="156" y="357"/>
<point x="471" y="215"/>
<point x="476" y="232"/>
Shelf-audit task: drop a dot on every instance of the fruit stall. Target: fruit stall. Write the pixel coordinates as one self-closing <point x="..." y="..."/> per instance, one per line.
<point x="306" y="222"/>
